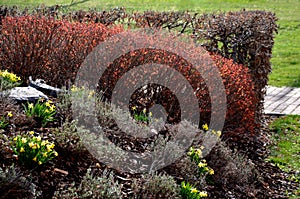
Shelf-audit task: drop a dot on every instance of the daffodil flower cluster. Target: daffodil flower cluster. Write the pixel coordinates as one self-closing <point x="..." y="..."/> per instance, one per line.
<point x="187" y="191"/>
<point x="206" y="128"/>
<point x="8" y="80"/>
<point x="33" y="150"/>
<point x="143" y="116"/>
<point x="196" y="157"/>
<point x="82" y="91"/>
<point x="43" y="112"/>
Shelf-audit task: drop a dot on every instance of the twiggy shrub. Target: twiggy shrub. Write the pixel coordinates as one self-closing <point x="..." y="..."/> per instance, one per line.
<point x="14" y="185"/>
<point x="67" y="137"/>
<point x="155" y="186"/>
<point x="233" y="170"/>
<point x="48" y="48"/>
<point x="98" y="187"/>
<point x="241" y="99"/>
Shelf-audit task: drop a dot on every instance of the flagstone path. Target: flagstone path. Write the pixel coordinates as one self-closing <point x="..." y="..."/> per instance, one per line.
<point x="282" y="101"/>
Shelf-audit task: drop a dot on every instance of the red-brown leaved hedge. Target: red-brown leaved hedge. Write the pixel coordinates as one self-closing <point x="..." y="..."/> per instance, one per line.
<point x="47" y="48"/>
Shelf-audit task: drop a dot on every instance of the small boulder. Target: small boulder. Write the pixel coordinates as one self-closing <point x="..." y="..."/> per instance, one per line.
<point x="21" y="94"/>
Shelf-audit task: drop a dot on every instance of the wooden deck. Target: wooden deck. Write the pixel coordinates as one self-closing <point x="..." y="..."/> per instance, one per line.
<point x="282" y="101"/>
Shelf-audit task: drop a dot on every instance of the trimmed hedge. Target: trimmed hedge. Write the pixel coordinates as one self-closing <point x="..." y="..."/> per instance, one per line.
<point x="246" y="37"/>
<point x="47" y="48"/>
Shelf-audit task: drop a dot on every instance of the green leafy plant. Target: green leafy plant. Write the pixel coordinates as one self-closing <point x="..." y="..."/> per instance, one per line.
<point x="4" y="120"/>
<point x="8" y="80"/>
<point x="41" y="112"/>
<point x="188" y="191"/>
<point x="142" y="116"/>
<point x="33" y="150"/>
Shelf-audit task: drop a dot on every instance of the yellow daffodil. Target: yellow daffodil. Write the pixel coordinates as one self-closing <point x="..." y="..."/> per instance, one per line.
<point x="201" y="164"/>
<point x="205" y="127"/>
<point x="150" y="114"/>
<point x="50" y="147"/>
<point x="34" y="146"/>
<point x="55" y="153"/>
<point x="22" y="150"/>
<point x="9" y="114"/>
<point x="144" y="110"/>
<point x="30" y="106"/>
<point x="31" y="132"/>
<point x="91" y="93"/>
<point x="31" y="144"/>
<point x="34" y="159"/>
<point x="203" y="194"/>
<point x="47" y="104"/>
<point x="199" y="153"/>
<point x="219" y="133"/>
<point x="43" y="143"/>
<point x="74" y="88"/>
<point x="40" y="163"/>
<point x="134" y="108"/>
<point x="194" y="190"/>
<point x="211" y="172"/>
<point x="38" y="138"/>
<point x="24" y="140"/>
<point x="45" y="154"/>
<point x="52" y="108"/>
<point x="16" y="138"/>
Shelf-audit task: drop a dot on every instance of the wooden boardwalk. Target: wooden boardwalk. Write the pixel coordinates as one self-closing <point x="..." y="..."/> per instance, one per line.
<point x="282" y="101"/>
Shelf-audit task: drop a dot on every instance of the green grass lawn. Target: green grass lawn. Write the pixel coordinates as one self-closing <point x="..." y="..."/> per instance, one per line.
<point x="285" y="151"/>
<point x="286" y="54"/>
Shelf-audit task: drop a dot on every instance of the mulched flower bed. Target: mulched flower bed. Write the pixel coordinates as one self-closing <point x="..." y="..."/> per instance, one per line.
<point x="71" y="166"/>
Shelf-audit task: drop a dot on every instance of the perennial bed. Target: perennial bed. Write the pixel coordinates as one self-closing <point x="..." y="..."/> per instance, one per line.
<point x="42" y="155"/>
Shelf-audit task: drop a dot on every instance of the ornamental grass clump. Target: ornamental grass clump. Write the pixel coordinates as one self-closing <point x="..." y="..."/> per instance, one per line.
<point x="8" y="80"/>
<point x="33" y="150"/>
<point x="188" y="191"/>
<point x="42" y="112"/>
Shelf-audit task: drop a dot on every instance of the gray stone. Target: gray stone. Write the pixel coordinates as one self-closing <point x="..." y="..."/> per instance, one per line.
<point x="22" y="94"/>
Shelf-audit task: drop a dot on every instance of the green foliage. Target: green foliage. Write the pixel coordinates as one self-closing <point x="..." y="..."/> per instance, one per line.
<point x="33" y="150"/>
<point x="187" y="191"/>
<point x="142" y="116"/>
<point x="4" y="120"/>
<point x="284" y="152"/>
<point x="41" y="112"/>
<point x="8" y="80"/>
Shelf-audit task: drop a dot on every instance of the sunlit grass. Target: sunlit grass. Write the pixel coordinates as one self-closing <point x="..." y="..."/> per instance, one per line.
<point x="285" y="151"/>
